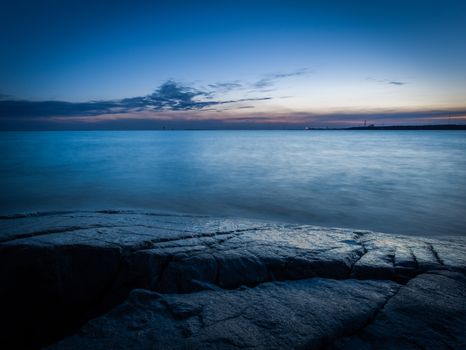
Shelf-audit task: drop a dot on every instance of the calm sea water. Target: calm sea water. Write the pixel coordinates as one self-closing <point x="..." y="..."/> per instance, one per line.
<point x="410" y="182"/>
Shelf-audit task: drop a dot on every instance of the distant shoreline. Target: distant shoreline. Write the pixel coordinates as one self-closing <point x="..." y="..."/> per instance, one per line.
<point x="400" y="127"/>
<point x="370" y="127"/>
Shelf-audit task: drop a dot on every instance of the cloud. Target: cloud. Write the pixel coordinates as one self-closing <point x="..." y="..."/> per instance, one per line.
<point x="397" y="83"/>
<point x="387" y="81"/>
<point x="24" y="108"/>
<point x="226" y="86"/>
<point x="170" y="96"/>
<point x="294" y="120"/>
<point x="301" y="71"/>
<point x="271" y="79"/>
<point x="263" y="84"/>
<point x="240" y="118"/>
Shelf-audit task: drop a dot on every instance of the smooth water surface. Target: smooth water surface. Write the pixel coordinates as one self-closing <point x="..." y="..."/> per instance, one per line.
<point x="393" y="181"/>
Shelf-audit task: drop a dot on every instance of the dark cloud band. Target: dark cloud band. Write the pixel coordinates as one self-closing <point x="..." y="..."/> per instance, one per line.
<point x="170" y="96"/>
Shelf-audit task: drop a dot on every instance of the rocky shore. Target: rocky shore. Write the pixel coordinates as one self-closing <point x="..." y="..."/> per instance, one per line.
<point x="135" y="280"/>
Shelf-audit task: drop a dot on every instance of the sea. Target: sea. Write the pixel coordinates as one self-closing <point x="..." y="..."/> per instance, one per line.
<point x="407" y="182"/>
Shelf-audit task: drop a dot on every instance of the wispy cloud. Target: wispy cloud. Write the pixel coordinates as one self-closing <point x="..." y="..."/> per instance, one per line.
<point x="226" y="86"/>
<point x="270" y="80"/>
<point x="263" y="84"/>
<point x="387" y="81"/>
<point x="399" y="83"/>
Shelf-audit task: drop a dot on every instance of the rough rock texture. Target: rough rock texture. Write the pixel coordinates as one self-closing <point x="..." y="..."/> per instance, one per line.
<point x="198" y="282"/>
<point x="428" y="313"/>
<point x="306" y="313"/>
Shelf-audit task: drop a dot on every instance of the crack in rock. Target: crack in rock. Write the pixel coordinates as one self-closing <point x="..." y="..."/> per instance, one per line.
<point x="428" y="312"/>
<point x="435" y="254"/>
<point x="372" y="317"/>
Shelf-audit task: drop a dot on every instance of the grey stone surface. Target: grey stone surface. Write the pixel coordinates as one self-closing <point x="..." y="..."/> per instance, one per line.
<point x="59" y="270"/>
<point x="428" y="313"/>
<point x="298" y="314"/>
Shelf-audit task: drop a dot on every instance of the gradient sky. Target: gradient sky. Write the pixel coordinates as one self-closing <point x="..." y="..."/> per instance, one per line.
<point x="231" y="64"/>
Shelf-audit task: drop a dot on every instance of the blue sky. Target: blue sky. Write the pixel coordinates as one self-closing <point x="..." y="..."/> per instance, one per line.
<point x="221" y="64"/>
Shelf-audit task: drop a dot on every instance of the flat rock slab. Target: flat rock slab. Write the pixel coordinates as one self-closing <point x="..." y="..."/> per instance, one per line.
<point x="59" y="270"/>
<point x="298" y="314"/>
<point x="428" y="313"/>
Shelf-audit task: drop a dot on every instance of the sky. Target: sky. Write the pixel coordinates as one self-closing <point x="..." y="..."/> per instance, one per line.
<point x="231" y="64"/>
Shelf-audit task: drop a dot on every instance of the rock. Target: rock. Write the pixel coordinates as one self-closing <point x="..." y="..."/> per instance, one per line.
<point x="63" y="269"/>
<point x="300" y="314"/>
<point x="428" y="313"/>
